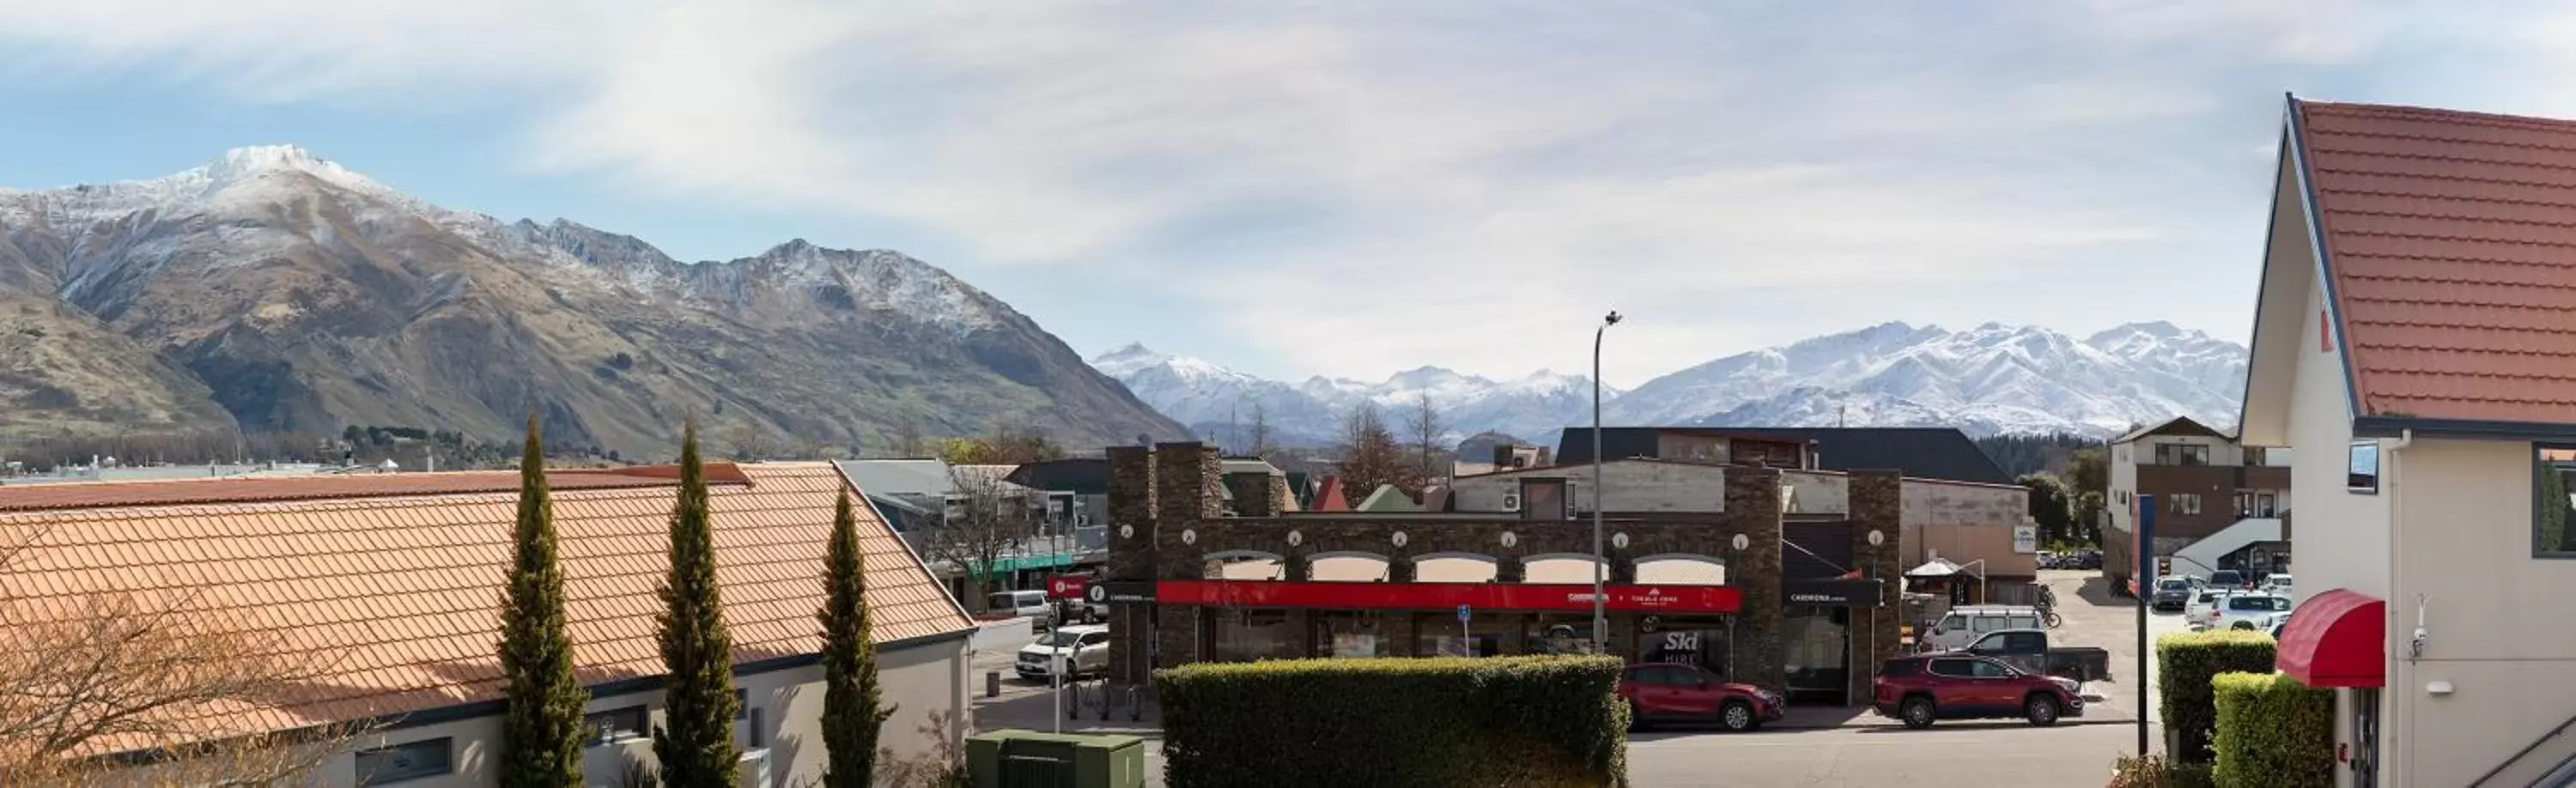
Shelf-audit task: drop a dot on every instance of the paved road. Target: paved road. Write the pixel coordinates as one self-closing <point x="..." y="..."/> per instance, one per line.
<point x="1960" y="754"/>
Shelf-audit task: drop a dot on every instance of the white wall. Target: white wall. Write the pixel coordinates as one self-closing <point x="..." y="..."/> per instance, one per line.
<point x="1633" y="486"/>
<point x="2463" y="544"/>
<point x="921" y="679"/>
<point x="2341" y="538"/>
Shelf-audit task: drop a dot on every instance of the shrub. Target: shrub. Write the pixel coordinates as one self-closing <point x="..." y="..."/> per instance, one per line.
<point x="2273" y="731"/>
<point x="2186" y="662"/>
<point x="2154" y="771"/>
<point x="1454" y="721"/>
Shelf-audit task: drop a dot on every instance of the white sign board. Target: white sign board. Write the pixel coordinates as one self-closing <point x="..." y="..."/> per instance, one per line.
<point x="2025" y="539"/>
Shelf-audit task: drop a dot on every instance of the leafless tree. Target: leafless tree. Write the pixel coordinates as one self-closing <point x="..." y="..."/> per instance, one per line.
<point x="811" y="447"/>
<point x="1371" y="456"/>
<point x="907" y="439"/>
<point x="115" y="672"/>
<point x="751" y="441"/>
<point x="1422" y="423"/>
<point x="984" y="520"/>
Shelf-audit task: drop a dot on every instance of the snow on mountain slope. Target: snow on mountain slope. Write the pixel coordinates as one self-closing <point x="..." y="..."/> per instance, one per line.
<point x="1213" y="398"/>
<point x="1990" y="379"/>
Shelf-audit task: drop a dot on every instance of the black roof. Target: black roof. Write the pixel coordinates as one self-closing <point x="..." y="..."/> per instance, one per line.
<point x="1919" y="452"/>
<point x="1077" y="475"/>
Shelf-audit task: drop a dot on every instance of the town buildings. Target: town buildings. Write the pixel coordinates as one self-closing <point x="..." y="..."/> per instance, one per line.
<point x="394" y="583"/>
<point x="2412" y="343"/>
<point x="2219" y="503"/>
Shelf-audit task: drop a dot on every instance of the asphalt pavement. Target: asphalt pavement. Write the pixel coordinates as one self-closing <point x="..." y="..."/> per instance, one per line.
<point x="1948" y="754"/>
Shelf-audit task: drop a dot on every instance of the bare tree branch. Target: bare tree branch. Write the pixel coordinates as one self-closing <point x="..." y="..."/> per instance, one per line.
<point x="985" y="519"/>
<point x="1422" y="423"/>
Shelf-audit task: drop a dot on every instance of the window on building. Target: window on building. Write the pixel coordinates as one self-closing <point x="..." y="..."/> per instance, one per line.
<point x="616" y="725"/>
<point x="2364" y="475"/>
<point x="407" y="761"/>
<point x="2181" y="454"/>
<point x="2253" y="455"/>
<point x="2554" y="491"/>
<point x="2185" y="503"/>
<point x="746" y="722"/>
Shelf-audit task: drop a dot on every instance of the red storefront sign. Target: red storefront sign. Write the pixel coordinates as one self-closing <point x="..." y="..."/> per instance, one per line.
<point x="1446" y="596"/>
<point x="1066" y="586"/>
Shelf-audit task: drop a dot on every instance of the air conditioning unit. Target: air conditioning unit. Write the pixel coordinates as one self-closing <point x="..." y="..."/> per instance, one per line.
<point x="1511" y="502"/>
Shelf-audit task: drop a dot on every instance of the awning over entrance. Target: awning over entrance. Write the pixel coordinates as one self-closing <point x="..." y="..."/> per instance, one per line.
<point x="1447" y="596"/>
<point x="2336" y="639"/>
<point x="1836" y="591"/>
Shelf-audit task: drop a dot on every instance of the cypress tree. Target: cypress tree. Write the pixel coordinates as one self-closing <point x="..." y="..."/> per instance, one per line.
<point x="854" y="707"/>
<point x="695" y="742"/>
<point x="541" y="727"/>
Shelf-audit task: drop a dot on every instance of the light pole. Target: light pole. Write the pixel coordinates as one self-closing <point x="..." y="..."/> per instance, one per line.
<point x="1600" y="559"/>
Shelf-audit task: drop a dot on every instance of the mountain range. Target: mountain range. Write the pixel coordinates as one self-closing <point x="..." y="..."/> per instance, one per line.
<point x="1989" y="380"/>
<point x="271" y="290"/>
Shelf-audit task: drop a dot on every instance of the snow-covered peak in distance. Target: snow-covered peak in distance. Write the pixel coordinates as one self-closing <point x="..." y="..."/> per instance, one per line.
<point x="1200" y="392"/>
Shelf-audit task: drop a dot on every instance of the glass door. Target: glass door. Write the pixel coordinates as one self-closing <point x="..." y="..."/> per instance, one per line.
<point x="1816" y="649"/>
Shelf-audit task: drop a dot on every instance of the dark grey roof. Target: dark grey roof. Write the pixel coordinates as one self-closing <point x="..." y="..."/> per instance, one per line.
<point x="1920" y="452"/>
<point x="1077" y="475"/>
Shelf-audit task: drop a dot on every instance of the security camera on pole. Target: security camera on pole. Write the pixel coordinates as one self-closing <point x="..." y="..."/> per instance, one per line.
<point x="1600" y="560"/>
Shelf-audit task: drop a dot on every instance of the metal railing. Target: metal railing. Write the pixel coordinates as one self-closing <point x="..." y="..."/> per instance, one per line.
<point x="2526" y="751"/>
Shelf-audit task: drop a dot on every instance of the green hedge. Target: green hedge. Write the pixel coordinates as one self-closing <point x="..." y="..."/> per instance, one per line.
<point x="2154" y="771"/>
<point x="1452" y="721"/>
<point x="2185" y="662"/>
<point x="2273" y="732"/>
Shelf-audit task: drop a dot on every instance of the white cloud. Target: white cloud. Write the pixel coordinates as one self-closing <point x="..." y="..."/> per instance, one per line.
<point x="1471" y="183"/>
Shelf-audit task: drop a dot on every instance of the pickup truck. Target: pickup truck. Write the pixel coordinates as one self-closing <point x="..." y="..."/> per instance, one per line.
<point x="2029" y="651"/>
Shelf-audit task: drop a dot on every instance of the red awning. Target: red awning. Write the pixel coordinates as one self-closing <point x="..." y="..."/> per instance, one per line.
<point x="2336" y="639"/>
<point x="1445" y="596"/>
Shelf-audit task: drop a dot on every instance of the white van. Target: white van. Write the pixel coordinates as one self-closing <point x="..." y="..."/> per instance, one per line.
<point x="1965" y="624"/>
<point x="1019" y="603"/>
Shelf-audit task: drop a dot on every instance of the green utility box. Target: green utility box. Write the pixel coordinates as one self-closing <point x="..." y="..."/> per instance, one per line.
<point x="1029" y="759"/>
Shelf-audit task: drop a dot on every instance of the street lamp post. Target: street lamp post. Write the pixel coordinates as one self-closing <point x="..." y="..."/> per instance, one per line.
<point x="1600" y="558"/>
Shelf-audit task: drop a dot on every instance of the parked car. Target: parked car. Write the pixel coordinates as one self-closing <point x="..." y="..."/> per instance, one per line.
<point x="1087" y="646"/>
<point x="2204" y="601"/>
<point x="1923" y="688"/>
<point x="2244" y="611"/>
<point x="2029" y="651"/>
<point x="2277" y="582"/>
<point x="2088" y="559"/>
<point x="2230" y="578"/>
<point x="2175" y="593"/>
<point x="1667" y="692"/>
<point x="1963" y="625"/>
<point x="1019" y="603"/>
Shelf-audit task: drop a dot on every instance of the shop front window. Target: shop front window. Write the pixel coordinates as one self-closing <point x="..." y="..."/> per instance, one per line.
<point x="1816" y="645"/>
<point x="1248" y="635"/>
<point x="1700" y="642"/>
<point x="1344" y="634"/>
<point x="1442" y="636"/>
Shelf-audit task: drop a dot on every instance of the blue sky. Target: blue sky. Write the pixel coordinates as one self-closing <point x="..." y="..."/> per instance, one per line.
<point x="1334" y="188"/>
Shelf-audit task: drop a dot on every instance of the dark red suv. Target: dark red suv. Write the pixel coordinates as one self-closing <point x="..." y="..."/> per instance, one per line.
<point x="1660" y="692"/>
<point x="1921" y="688"/>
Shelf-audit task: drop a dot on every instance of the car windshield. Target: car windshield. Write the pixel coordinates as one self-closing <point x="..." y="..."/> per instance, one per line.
<point x="1061" y="637"/>
<point x="2173" y="584"/>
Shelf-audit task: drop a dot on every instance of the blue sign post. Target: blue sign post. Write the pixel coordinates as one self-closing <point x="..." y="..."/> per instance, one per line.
<point x="1465" y="612"/>
<point x="1468" y="641"/>
<point x="2144" y="589"/>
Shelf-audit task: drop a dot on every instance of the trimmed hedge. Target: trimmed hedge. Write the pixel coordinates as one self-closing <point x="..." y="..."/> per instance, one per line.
<point x="1450" y="721"/>
<point x="2273" y="732"/>
<point x="2154" y="771"/>
<point x="2185" y="663"/>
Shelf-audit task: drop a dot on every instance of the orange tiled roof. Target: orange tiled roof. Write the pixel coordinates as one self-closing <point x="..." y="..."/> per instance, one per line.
<point x="2451" y="241"/>
<point x="405" y="590"/>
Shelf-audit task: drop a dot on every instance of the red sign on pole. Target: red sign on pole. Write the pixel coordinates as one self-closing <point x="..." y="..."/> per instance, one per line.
<point x="1066" y="586"/>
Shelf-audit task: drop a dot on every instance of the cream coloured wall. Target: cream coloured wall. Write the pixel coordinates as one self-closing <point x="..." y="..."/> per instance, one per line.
<point x="2342" y="538"/>
<point x="920" y="678"/>
<point x="1632" y="486"/>
<point x="2463" y="546"/>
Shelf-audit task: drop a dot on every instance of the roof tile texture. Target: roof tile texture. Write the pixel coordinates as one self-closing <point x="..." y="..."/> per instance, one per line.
<point x="2451" y="237"/>
<point x="406" y="590"/>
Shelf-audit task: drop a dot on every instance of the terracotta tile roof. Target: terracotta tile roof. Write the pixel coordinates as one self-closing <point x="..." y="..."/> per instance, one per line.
<point x="405" y="588"/>
<point x="244" y="489"/>
<point x="2451" y="241"/>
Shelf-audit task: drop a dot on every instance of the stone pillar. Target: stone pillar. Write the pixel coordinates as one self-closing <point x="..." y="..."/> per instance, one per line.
<point x="1753" y="509"/>
<point x="1185" y="480"/>
<point x="1301" y="631"/>
<point x="1623" y="635"/>
<point x="1132" y="557"/>
<point x="1509" y="569"/>
<point x="1251" y="493"/>
<point x="1405" y="628"/>
<point x="1876" y="503"/>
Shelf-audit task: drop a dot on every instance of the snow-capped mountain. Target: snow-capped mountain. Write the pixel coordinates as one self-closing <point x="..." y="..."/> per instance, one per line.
<point x="1992" y="379"/>
<point x="270" y="289"/>
<point x="1214" y="399"/>
<point x="1986" y="380"/>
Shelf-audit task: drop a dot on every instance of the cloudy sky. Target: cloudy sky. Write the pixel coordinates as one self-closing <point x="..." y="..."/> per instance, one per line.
<point x="1343" y="188"/>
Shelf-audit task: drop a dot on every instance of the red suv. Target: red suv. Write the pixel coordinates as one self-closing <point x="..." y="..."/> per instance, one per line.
<point x="1922" y="688"/>
<point x="1674" y="692"/>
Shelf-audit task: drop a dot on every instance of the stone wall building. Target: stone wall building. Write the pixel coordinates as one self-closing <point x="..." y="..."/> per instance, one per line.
<point x="1807" y="604"/>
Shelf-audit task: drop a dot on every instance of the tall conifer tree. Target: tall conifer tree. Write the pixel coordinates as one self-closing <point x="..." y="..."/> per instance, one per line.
<point x="695" y="743"/>
<point x="541" y="728"/>
<point x="854" y="707"/>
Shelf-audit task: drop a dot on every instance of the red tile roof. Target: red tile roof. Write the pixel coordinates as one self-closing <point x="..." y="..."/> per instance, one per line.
<point x="2450" y="238"/>
<point x="247" y="489"/>
<point x="404" y="589"/>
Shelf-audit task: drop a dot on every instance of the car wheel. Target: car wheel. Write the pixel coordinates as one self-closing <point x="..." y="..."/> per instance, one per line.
<point x="1917" y="712"/>
<point x="1636" y="722"/>
<point x="2041" y="710"/>
<point x="2243" y="625"/>
<point x="1736" y="716"/>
